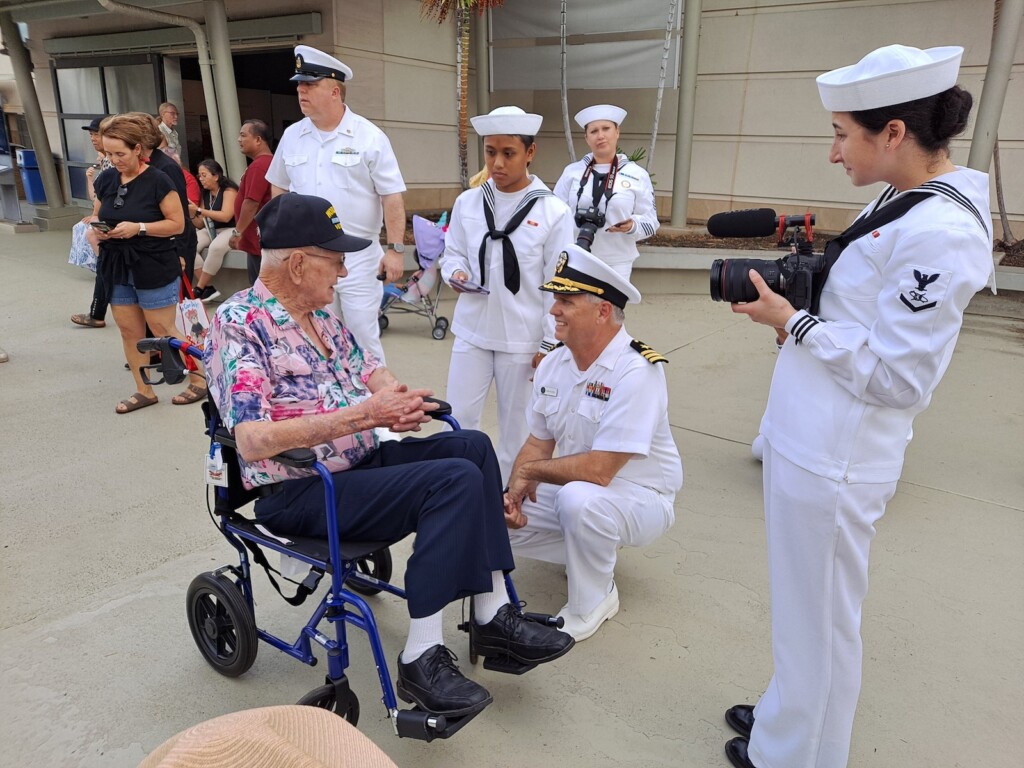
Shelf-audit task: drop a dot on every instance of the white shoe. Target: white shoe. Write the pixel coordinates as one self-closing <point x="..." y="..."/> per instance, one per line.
<point x="583" y="626"/>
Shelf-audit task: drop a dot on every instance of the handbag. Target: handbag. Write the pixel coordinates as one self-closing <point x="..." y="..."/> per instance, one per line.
<point x="82" y="254"/>
<point x="191" y="318"/>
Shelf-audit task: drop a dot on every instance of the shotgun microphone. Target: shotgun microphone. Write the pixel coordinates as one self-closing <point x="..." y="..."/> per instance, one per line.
<point x="754" y="222"/>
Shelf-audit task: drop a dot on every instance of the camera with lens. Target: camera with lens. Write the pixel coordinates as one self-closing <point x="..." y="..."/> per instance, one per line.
<point x="588" y="221"/>
<point x="798" y="277"/>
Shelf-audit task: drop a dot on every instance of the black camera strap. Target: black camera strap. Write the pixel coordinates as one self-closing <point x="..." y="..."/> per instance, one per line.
<point x="863" y="225"/>
<point x="609" y="182"/>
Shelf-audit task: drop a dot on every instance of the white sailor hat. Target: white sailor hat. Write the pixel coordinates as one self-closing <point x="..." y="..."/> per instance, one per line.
<point x="312" y="65"/>
<point x="890" y="75"/>
<point x="579" y="271"/>
<point x="507" y="120"/>
<point x="600" y="112"/>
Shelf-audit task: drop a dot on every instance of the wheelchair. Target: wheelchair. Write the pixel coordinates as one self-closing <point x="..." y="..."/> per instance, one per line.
<point x="220" y="603"/>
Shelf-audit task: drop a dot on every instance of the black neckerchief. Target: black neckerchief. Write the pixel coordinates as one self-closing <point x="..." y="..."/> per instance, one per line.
<point x="609" y="182"/>
<point x="510" y="263"/>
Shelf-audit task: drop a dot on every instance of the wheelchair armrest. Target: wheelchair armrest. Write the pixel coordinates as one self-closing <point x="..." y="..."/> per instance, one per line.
<point x="444" y="409"/>
<point x="299" y="458"/>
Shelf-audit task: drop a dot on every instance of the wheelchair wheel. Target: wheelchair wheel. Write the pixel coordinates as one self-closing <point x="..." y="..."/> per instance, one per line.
<point x="383" y="322"/>
<point x="222" y="624"/>
<point x="376" y="564"/>
<point x="345" y="705"/>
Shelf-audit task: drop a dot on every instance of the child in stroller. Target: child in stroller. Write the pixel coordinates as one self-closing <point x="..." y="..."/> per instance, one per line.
<point x="415" y="294"/>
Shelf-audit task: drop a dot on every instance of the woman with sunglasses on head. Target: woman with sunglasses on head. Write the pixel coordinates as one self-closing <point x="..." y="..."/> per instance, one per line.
<point x="849" y="380"/>
<point x="216" y="212"/>
<point x="139" y="213"/>
<point x="609" y="190"/>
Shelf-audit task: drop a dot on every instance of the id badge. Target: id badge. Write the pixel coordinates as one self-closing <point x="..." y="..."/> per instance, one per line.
<point x="216" y="474"/>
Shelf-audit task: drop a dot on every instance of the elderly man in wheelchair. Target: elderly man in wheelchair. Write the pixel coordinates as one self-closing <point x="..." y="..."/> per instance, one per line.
<point x="284" y="374"/>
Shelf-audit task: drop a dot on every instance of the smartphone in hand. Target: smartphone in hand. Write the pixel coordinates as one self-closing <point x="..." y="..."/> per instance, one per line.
<point x="468" y="286"/>
<point x="102" y="226"/>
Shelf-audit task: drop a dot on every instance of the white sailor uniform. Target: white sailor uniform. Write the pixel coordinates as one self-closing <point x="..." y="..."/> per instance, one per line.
<point x="353" y="166"/>
<point x="890" y="314"/>
<point x="632" y="198"/>
<point x="619" y="404"/>
<point x="498" y="334"/>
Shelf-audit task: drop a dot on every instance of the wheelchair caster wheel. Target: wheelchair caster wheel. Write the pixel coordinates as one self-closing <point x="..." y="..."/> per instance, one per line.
<point x="442" y="322"/>
<point x="439" y="332"/>
<point x="383" y="322"/>
<point x="222" y="624"/>
<point x="338" y="698"/>
<point x="376" y="564"/>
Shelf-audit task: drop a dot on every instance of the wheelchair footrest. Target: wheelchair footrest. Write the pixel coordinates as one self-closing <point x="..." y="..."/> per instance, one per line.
<point x="415" y="723"/>
<point x="507" y="664"/>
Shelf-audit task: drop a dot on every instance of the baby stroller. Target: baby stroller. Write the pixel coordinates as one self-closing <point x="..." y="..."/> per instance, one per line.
<point x="415" y="295"/>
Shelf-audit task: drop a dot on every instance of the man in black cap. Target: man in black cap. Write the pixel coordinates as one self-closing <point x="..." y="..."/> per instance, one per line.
<point x="285" y="373"/>
<point x="96" y="316"/>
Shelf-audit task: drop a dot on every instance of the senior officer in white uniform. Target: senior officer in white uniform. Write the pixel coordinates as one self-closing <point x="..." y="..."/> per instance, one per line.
<point x="850" y="380"/>
<point x="336" y="154"/>
<point x="505" y="235"/>
<point x="614" y="186"/>
<point x="601" y="404"/>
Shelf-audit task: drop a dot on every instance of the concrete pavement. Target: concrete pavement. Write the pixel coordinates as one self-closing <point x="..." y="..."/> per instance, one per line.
<point x="104" y="525"/>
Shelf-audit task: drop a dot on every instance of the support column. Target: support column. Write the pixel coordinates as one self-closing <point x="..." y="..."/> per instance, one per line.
<point x="993" y="93"/>
<point x="684" y="114"/>
<point x="227" y="91"/>
<point x="54" y="215"/>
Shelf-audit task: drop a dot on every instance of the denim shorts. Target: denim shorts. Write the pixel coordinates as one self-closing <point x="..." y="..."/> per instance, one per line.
<point x="146" y="298"/>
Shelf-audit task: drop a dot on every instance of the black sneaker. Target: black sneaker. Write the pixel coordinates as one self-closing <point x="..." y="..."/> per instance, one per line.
<point x="525" y="640"/>
<point x="436" y="685"/>
<point x="207" y="294"/>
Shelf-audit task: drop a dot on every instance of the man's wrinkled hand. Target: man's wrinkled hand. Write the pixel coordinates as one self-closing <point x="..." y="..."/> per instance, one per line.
<point x="400" y="409"/>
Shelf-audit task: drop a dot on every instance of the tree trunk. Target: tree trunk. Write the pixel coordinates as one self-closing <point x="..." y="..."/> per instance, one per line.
<point x="669" y="29"/>
<point x="462" y="26"/>
<point x="565" y="96"/>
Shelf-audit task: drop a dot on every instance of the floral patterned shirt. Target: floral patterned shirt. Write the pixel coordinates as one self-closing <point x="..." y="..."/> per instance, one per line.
<point x="262" y="366"/>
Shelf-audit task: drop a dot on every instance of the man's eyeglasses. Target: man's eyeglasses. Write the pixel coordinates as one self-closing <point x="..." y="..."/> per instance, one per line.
<point x="337" y="258"/>
<point x="121" y="192"/>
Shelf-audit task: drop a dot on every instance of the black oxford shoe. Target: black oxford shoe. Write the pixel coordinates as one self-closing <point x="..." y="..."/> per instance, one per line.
<point x="741" y="719"/>
<point x="736" y="751"/>
<point x="526" y="641"/>
<point x="436" y="685"/>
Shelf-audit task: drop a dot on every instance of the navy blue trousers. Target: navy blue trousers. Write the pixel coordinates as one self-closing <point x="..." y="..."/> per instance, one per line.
<point x="446" y="488"/>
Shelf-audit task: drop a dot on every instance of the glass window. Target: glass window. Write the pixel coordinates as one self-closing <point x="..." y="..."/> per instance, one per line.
<point x="81" y="91"/>
<point x="131" y="88"/>
<point x="79" y="145"/>
<point x="77" y="178"/>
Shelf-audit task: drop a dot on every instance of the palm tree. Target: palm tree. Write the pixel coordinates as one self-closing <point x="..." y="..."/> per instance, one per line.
<point x="460" y="10"/>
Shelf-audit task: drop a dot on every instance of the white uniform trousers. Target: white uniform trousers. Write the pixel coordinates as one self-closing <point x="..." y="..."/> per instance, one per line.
<point x="582" y="525"/>
<point x="819" y="536"/>
<point x="469" y="379"/>
<point x="357" y="298"/>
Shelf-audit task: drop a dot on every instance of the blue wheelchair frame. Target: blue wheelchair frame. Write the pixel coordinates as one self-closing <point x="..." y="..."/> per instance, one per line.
<point x="335" y="606"/>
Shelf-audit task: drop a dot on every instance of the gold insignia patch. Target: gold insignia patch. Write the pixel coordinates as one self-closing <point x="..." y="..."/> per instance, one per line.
<point x="650" y="355"/>
<point x="563" y="259"/>
<point x="298" y="61"/>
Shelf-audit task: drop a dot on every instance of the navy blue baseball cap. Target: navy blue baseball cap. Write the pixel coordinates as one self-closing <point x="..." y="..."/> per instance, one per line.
<point x="94" y="125"/>
<point x="292" y="220"/>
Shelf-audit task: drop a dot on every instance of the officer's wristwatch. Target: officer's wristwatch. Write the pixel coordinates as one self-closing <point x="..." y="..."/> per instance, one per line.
<point x="142" y="229"/>
<point x="396" y="247"/>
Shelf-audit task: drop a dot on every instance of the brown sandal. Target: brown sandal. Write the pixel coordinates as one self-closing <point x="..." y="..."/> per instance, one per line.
<point x="191" y="394"/>
<point x="135" y="402"/>
<point x="88" y="321"/>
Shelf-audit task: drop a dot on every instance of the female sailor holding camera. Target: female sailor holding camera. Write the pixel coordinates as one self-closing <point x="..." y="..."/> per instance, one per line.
<point x="890" y="313"/>
<point x="503" y="241"/>
<point x="609" y="190"/>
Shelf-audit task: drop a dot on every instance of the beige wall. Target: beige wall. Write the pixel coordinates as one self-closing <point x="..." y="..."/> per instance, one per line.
<point x="761" y="135"/>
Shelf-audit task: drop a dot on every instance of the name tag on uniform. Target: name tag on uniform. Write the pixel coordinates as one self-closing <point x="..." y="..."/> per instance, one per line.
<point x="549" y="391"/>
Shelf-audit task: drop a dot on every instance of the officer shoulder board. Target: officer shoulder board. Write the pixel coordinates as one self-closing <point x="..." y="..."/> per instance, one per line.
<point x="648" y="354"/>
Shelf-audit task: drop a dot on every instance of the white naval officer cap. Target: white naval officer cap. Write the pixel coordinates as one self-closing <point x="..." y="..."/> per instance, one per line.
<point x="890" y="75"/>
<point x="600" y="112"/>
<point x="507" y="120"/>
<point x="579" y="271"/>
<point x="312" y="65"/>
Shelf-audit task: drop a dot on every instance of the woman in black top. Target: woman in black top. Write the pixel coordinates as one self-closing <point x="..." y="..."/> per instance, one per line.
<point x="217" y="213"/>
<point x="139" y="214"/>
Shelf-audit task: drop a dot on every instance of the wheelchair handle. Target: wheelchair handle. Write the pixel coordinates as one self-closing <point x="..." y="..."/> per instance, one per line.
<point x="443" y="409"/>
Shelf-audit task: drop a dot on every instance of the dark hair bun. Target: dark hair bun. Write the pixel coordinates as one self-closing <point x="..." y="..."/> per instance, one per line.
<point x="952" y="109"/>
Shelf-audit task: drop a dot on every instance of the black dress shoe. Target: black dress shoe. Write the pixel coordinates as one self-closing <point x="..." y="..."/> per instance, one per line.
<point x="741" y="719"/>
<point x="736" y="751"/>
<point x="526" y="641"/>
<point x="436" y="685"/>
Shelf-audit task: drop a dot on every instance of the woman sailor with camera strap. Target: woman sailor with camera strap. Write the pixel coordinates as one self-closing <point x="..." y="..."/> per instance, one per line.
<point x="612" y="187"/>
<point x="848" y="383"/>
<point x="505" y="236"/>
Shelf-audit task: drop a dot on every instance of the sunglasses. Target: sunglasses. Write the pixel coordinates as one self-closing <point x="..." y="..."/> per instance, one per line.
<point x="121" y="192"/>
